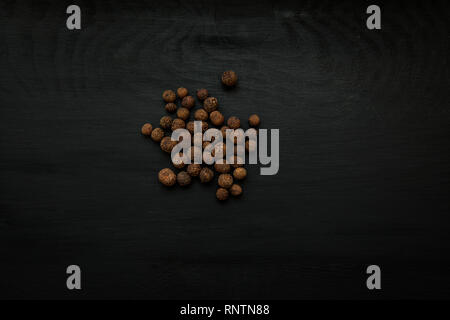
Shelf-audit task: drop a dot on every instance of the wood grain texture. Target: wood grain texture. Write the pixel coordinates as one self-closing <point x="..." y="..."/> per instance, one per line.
<point x="364" y="132"/>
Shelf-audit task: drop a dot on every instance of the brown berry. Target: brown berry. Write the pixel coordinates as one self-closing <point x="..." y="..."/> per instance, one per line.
<point x="188" y="102"/>
<point x="216" y="118"/>
<point x="167" y="177"/>
<point x="202" y="94"/>
<point x="171" y="107"/>
<point x="240" y="173"/>
<point x="169" y="96"/>
<point x="206" y="175"/>
<point x="183" y="113"/>
<point x="236" y="190"/>
<point x="178" y="124"/>
<point x="222" y="167"/>
<point x="225" y="180"/>
<point x="234" y="122"/>
<point x="146" y="129"/>
<point x="165" y="122"/>
<point x="182" y="92"/>
<point x="224" y="131"/>
<point x="234" y="162"/>
<point x="229" y="78"/>
<point x="190" y="127"/>
<point x="167" y="144"/>
<point x="201" y="115"/>
<point x="194" y="169"/>
<point x="254" y="120"/>
<point x="157" y="134"/>
<point x="179" y="165"/>
<point x="250" y="145"/>
<point x="210" y="104"/>
<point x="204" y="126"/>
<point x="183" y="178"/>
<point x="222" y="194"/>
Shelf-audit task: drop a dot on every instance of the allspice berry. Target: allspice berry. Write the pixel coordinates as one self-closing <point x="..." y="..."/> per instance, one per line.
<point x="194" y="169"/>
<point x="250" y="145"/>
<point x="183" y="113"/>
<point x="216" y="118"/>
<point x="147" y="129"/>
<point x="229" y="78"/>
<point x="222" y="167"/>
<point x="240" y="173"/>
<point x="254" y="120"/>
<point x="188" y="102"/>
<point x="234" y="122"/>
<point x="183" y="178"/>
<point x="157" y="134"/>
<point x="222" y="194"/>
<point x="225" y="180"/>
<point x="178" y="124"/>
<point x="190" y="127"/>
<point x="236" y="190"/>
<point x="171" y="107"/>
<point x="169" y="96"/>
<point x="165" y="122"/>
<point x="202" y="94"/>
<point x="167" y="177"/>
<point x="206" y="175"/>
<point x="224" y="131"/>
<point x="182" y="92"/>
<point x="210" y="104"/>
<point x="201" y="115"/>
<point x="167" y="144"/>
<point x="205" y="126"/>
<point x="179" y="165"/>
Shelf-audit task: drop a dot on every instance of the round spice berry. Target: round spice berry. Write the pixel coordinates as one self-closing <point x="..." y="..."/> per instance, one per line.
<point x="194" y="169"/>
<point x="229" y="78"/>
<point x="225" y="180"/>
<point x="183" y="113"/>
<point x="171" y="107"/>
<point x="206" y="175"/>
<point x="169" y="96"/>
<point x="188" y="102"/>
<point x="179" y="165"/>
<point x="250" y="145"/>
<point x="216" y="118"/>
<point x="236" y="190"/>
<point x="202" y="94"/>
<point x="157" y="134"/>
<point x="201" y="115"/>
<point x="147" y="129"/>
<point x="204" y="126"/>
<point x="182" y="92"/>
<point x="165" y="122"/>
<point x="178" y="124"/>
<point x="236" y="162"/>
<point x="224" y="131"/>
<point x="167" y="177"/>
<point x="222" y="194"/>
<point x="167" y="144"/>
<point x="240" y="173"/>
<point x="183" y="178"/>
<point x="254" y="120"/>
<point x="210" y="104"/>
<point x="234" y="122"/>
<point x="222" y="167"/>
<point x="190" y="127"/>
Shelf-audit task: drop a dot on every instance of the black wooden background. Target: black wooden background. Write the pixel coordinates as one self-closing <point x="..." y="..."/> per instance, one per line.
<point x="364" y="134"/>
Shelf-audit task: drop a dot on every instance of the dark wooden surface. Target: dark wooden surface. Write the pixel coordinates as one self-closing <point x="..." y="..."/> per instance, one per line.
<point x="364" y="134"/>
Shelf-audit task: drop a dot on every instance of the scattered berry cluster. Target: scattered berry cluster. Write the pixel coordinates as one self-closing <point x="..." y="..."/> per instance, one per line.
<point x="230" y="171"/>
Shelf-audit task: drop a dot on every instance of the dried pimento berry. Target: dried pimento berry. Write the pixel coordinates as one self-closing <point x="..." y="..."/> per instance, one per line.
<point x="167" y="177"/>
<point x="169" y="96"/>
<point x="147" y="129"/>
<point x="229" y="78"/>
